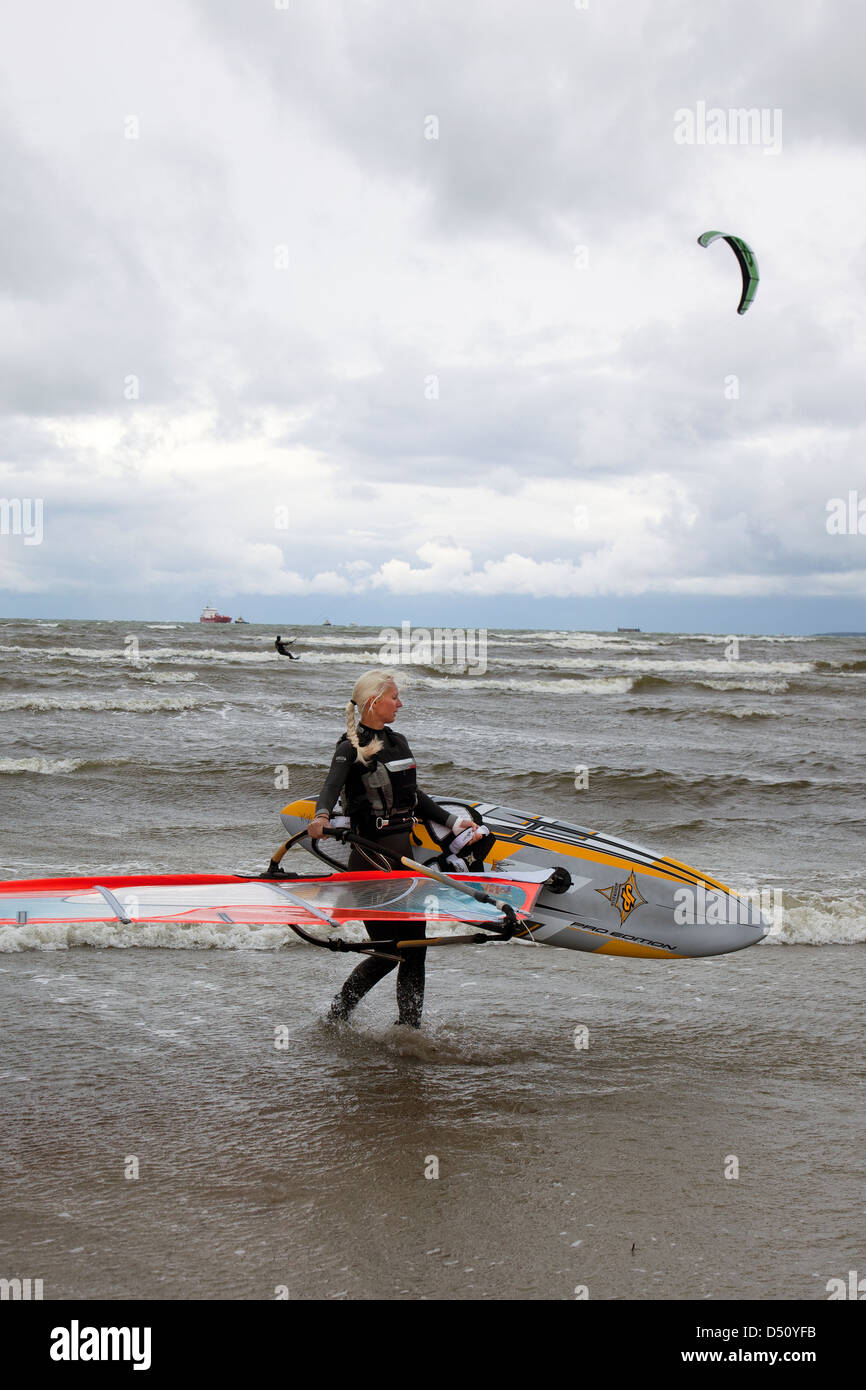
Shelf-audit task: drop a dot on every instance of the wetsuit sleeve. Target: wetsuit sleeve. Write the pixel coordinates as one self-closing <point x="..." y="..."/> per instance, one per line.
<point x="336" y="778"/>
<point x="428" y="809"/>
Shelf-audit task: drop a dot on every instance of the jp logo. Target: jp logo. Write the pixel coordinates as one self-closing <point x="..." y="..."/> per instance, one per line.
<point x="625" y="897"/>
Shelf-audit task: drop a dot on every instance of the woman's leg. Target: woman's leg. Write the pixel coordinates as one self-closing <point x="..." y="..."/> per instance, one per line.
<point x="363" y="978"/>
<point x="410" y="983"/>
<point x="410" y="975"/>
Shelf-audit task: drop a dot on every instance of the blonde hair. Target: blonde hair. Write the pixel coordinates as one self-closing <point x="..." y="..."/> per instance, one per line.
<point x="367" y="690"/>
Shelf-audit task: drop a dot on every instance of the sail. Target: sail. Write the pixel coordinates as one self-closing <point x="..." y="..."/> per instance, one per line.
<point x="398" y="897"/>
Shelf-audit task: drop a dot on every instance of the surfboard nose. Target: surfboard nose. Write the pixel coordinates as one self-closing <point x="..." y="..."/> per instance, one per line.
<point x="711" y="920"/>
<point x="760" y="928"/>
<point x="747" y="921"/>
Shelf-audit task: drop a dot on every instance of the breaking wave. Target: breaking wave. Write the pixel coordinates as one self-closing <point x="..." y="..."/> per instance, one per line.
<point x="813" y="920"/>
<point x="44" y="704"/>
<point x="47" y="767"/>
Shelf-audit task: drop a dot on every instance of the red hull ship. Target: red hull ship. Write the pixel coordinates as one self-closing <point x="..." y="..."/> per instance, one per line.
<point x="210" y="615"/>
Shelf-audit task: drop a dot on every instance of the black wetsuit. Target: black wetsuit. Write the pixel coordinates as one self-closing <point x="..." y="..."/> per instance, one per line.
<point x="382" y="798"/>
<point x="283" y="649"/>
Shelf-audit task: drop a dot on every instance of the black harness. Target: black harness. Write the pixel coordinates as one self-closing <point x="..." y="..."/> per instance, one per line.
<point x="380" y="795"/>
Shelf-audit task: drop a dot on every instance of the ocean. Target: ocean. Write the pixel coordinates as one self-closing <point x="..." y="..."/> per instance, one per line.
<point x="176" y="1108"/>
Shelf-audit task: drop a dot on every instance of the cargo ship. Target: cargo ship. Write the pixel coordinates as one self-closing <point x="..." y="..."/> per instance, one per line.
<point x="210" y="615"/>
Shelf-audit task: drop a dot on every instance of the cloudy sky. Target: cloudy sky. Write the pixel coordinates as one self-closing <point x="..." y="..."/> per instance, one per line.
<point x="375" y="311"/>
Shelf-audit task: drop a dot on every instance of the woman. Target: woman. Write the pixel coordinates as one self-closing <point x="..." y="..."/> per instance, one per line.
<point x="374" y="770"/>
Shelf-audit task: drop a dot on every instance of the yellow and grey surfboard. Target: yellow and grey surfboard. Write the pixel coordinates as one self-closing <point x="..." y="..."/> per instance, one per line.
<point x="613" y="898"/>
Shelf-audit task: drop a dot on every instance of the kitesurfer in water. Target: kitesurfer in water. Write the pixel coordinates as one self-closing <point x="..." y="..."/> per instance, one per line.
<point x="283" y="649"/>
<point x="374" y="770"/>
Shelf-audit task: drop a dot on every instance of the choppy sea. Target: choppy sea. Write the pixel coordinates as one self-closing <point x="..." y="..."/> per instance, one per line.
<point x="273" y="1153"/>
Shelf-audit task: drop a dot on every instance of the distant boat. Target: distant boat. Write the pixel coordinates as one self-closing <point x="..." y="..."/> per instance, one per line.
<point x="240" y="620"/>
<point x="326" y="623"/>
<point x="210" y="615"/>
<point x="628" y="629"/>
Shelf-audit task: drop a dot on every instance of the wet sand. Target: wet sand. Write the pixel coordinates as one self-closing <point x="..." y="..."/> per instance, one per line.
<point x="301" y="1162"/>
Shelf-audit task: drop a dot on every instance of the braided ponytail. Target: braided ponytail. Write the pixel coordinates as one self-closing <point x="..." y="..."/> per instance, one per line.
<point x="367" y="690"/>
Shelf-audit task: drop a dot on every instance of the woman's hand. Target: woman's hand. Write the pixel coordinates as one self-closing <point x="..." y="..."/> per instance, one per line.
<point x="467" y="823"/>
<point x="317" y="827"/>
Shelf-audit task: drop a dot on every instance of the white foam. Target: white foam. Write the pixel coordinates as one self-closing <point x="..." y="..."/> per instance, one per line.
<point x="820" y="921"/>
<point x="169" y="936"/>
<point x="587" y="640"/>
<point x="716" y="667"/>
<point x="578" y="641"/>
<point x="750" y="712"/>
<point x="128" y="706"/>
<point x="765" y="687"/>
<point x="368" y="657"/>
<point x="164" y="677"/>
<point x="662" y="668"/>
<point x="338" y="640"/>
<point x="742" y="637"/>
<point x="601" y="685"/>
<point x="118" y="653"/>
<point x="46" y="766"/>
<point x="191" y="656"/>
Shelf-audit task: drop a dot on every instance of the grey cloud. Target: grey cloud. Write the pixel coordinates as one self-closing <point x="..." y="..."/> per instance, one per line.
<point x="550" y="117"/>
<point x="147" y="283"/>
